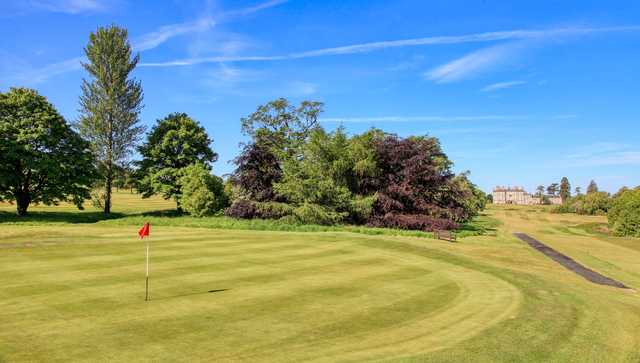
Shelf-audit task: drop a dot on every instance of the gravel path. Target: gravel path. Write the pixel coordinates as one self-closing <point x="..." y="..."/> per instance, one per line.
<point x="570" y="263"/>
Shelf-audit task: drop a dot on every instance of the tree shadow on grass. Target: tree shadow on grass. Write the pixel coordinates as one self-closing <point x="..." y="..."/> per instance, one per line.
<point x="58" y="217"/>
<point x="191" y="294"/>
<point x="79" y="217"/>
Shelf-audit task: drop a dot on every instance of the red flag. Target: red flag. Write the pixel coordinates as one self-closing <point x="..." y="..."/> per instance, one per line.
<point x="144" y="231"/>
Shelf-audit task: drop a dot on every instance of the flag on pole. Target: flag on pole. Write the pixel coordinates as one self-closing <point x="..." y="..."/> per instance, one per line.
<point x="144" y="231"/>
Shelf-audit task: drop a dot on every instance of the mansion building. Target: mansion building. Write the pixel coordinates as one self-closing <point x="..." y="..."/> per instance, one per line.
<point x="517" y="195"/>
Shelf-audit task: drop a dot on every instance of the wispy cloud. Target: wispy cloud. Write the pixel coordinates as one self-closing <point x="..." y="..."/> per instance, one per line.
<point x="444" y="118"/>
<point x="604" y="154"/>
<point x="423" y="118"/>
<point x="142" y="43"/>
<point x="164" y="33"/>
<point x="68" y="6"/>
<point x="473" y="63"/>
<point x="301" y="88"/>
<point x="502" y="85"/>
<point x="38" y="75"/>
<point x="253" y="9"/>
<point x="427" y="41"/>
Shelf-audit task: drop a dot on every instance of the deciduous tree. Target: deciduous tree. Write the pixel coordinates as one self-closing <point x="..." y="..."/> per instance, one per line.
<point x="593" y="187"/>
<point x="173" y="143"/>
<point x="281" y="126"/>
<point x="42" y="160"/>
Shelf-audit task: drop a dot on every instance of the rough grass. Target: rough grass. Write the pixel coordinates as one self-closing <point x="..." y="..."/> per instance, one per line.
<point x="74" y="291"/>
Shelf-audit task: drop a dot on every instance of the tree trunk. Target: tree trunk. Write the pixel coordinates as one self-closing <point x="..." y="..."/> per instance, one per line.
<point x="107" y="192"/>
<point x="22" y="201"/>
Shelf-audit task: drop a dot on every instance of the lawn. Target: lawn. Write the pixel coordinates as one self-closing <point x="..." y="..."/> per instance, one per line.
<point x="73" y="290"/>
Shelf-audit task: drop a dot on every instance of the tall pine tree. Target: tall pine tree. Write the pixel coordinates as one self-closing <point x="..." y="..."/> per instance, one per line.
<point x="111" y="102"/>
<point x="565" y="189"/>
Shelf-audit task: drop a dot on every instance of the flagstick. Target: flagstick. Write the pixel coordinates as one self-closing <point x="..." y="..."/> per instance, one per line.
<point x="146" y="297"/>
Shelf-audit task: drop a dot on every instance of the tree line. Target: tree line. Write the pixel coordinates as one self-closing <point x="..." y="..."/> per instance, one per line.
<point x="622" y="208"/>
<point x="292" y="169"/>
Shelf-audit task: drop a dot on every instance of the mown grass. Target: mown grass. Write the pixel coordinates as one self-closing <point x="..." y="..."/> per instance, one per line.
<point x="74" y="291"/>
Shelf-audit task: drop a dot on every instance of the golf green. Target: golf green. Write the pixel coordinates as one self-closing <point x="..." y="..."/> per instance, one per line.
<point x="75" y="292"/>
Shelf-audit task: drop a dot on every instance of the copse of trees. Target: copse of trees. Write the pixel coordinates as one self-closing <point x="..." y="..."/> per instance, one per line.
<point x="309" y="175"/>
<point x="292" y="169"/>
<point x="42" y="160"/>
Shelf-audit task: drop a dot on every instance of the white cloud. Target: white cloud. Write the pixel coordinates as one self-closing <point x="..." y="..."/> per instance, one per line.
<point x="502" y="85"/>
<point x="604" y="154"/>
<point x="302" y="89"/>
<point x="375" y="46"/>
<point x="38" y="75"/>
<point x="423" y="118"/>
<point x="69" y="6"/>
<point x="155" y="38"/>
<point x="615" y="158"/>
<point x="473" y="63"/>
<point x="143" y="43"/>
<point x="254" y="9"/>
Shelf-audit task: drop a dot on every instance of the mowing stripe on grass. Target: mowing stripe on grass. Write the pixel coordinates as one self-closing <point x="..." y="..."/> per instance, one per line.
<point x="570" y="263"/>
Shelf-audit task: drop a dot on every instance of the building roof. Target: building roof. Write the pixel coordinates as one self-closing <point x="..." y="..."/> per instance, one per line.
<point x="508" y="189"/>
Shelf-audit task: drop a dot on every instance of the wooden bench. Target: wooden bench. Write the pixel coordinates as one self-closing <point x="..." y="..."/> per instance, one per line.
<point x="445" y="235"/>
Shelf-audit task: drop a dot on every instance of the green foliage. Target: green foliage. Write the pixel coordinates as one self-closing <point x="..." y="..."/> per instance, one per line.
<point x="361" y="208"/>
<point x="202" y="193"/>
<point x="624" y="214"/>
<point x="42" y="160"/>
<point x="593" y="187"/>
<point x="329" y="169"/>
<point x="594" y="203"/>
<point x="274" y="210"/>
<point x="282" y="126"/>
<point x="110" y="103"/>
<point x="472" y="198"/>
<point x="329" y="177"/>
<point x="565" y="189"/>
<point x="174" y="143"/>
<point x="309" y="213"/>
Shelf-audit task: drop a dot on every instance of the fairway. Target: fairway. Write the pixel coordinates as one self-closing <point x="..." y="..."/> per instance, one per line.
<point x="75" y="292"/>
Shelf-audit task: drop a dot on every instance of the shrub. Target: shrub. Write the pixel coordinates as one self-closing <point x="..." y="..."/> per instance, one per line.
<point x="595" y="203"/>
<point x="202" y="193"/>
<point x="242" y="208"/>
<point x="566" y="207"/>
<point x="273" y="210"/>
<point x="624" y="214"/>
<point x="412" y="221"/>
<point x="309" y="213"/>
<point x="361" y="208"/>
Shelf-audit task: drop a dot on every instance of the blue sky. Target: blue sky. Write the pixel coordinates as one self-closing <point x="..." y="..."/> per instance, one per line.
<point x="519" y="93"/>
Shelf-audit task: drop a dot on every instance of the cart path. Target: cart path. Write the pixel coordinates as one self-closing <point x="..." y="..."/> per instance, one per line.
<point x="570" y="263"/>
